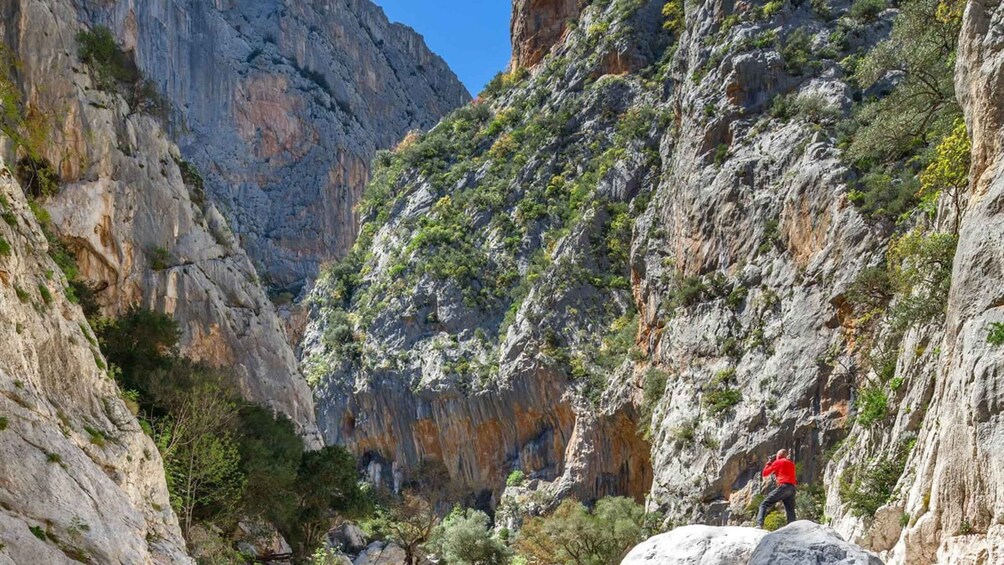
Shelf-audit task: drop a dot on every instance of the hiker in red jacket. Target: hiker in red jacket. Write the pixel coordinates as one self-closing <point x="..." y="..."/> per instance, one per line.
<point x="781" y="466"/>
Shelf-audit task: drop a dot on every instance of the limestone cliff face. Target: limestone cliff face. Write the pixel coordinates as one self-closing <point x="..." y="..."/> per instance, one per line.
<point x="947" y="508"/>
<point x="634" y="264"/>
<point x="81" y="482"/>
<point x="671" y="235"/>
<point x="282" y="105"/>
<point x="141" y="235"/>
<point x="537" y="25"/>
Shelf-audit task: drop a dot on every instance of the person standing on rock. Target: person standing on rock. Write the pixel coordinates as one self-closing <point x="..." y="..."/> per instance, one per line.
<point x="783" y="467"/>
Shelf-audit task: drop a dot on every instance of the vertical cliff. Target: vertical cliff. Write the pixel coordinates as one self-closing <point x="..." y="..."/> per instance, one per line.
<point x="537" y="25"/>
<point x="144" y="233"/>
<point x="947" y="507"/>
<point x="281" y="106"/>
<point x="81" y="482"/>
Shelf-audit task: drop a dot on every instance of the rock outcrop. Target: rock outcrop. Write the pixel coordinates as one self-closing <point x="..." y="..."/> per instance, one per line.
<point x="281" y="105"/>
<point x="796" y="544"/>
<point x="537" y="25"/>
<point x="79" y="480"/>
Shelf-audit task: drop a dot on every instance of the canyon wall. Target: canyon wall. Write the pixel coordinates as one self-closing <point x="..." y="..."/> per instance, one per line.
<point x="79" y="479"/>
<point x="282" y="105"/>
<point x="661" y="227"/>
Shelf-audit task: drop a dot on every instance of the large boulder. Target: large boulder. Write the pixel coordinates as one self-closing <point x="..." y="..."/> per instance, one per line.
<point x="806" y="542"/>
<point x="697" y="545"/>
<point x="795" y="544"/>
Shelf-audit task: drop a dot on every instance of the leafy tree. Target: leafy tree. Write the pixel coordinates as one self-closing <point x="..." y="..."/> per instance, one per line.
<point x="574" y="535"/>
<point x="327" y="482"/>
<point x="464" y="538"/>
<point x="270" y="453"/>
<point x="949" y="171"/>
<point x="410" y="522"/>
<point x="139" y="343"/>
<point x="201" y="457"/>
<point x="922" y="108"/>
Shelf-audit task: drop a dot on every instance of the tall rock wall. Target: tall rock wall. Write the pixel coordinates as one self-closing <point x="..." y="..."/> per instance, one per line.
<point x="140" y="233"/>
<point x="951" y="500"/>
<point x="79" y="480"/>
<point x="282" y="105"/>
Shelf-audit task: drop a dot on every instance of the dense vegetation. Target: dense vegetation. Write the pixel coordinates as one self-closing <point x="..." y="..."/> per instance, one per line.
<point x="225" y="459"/>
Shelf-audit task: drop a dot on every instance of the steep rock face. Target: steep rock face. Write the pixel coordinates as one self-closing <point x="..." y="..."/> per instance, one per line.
<point x="683" y="251"/>
<point x="418" y="361"/>
<point x="81" y="482"/>
<point x="537" y="25"/>
<point x="954" y="498"/>
<point x="282" y="105"/>
<point x="140" y="233"/>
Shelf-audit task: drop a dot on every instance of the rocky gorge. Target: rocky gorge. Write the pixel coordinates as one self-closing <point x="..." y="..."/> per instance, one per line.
<point x="671" y="238"/>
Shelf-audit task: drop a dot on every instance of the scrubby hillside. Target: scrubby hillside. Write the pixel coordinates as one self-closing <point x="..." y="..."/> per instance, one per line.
<point x="683" y="236"/>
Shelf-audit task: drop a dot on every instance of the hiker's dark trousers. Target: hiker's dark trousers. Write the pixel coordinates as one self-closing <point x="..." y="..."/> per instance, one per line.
<point x="783" y="493"/>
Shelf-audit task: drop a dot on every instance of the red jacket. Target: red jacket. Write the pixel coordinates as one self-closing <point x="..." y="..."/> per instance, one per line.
<point x="784" y="469"/>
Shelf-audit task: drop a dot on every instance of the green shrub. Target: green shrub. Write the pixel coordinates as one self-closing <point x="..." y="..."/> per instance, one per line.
<point x="573" y="534"/>
<point x="45" y="294"/>
<point x="114" y="70"/>
<point x="796" y="51"/>
<point x="3" y="423"/>
<point x="5" y="248"/>
<point x="775" y="521"/>
<point x="653" y="389"/>
<point x="995" y="335"/>
<point x="866" y="11"/>
<point x="674" y="13"/>
<point x="515" y="478"/>
<point x="872" y="405"/>
<point x="160" y="258"/>
<point x="192" y="178"/>
<point x="98" y="437"/>
<point x="98" y="49"/>
<point x="721" y="153"/>
<point x="720" y="396"/>
<point x="869" y="485"/>
<point x="465" y="538"/>
<point x="885" y="193"/>
<point x="37" y="176"/>
<point x="38" y="532"/>
<point x="53" y="458"/>
<point x="685" y="433"/>
<point x="810" y="502"/>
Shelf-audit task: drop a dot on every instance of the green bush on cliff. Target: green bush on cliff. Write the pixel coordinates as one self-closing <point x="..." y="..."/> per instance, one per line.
<point x="114" y="70"/>
<point x="866" y="487"/>
<point x="872" y="405"/>
<point x="720" y="396"/>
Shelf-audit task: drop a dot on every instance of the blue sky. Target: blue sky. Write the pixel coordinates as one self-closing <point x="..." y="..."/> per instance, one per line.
<point x="472" y="35"/>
